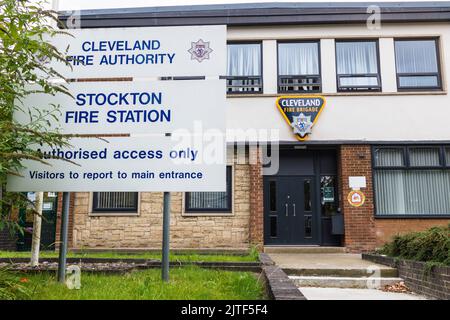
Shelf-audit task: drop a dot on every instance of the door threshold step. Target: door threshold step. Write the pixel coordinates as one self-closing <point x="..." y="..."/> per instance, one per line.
<point x="303" y="249"/>
<point x="340" y="272"/>
<point x="344" y="282"/>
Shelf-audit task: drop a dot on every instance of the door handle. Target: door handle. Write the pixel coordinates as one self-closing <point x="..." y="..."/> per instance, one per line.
<point x="286" y="205"/>
<point x="294" y="208"/>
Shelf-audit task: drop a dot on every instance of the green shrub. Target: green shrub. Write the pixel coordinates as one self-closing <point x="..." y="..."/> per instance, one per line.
<point x="432" y="245"/>
<point x="12" y="286"/>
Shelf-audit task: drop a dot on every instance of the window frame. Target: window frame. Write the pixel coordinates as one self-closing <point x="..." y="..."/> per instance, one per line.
<point x="114" y="211"/>
<point x="404" y="166"/>
<point x="319" y="76"/>
<point x="212" y="211"/>
<point x="439" y="87"/>
<point x="446" y="163"/>
<point x="441" y="160"/>
<point x="260" y="77"/>
<point x="407" y="167"/>
<point x="355" y="89"/>
<point x="406" y="157"/>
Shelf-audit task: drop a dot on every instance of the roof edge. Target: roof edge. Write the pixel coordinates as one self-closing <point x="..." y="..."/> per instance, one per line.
<point x="261" y="14"/>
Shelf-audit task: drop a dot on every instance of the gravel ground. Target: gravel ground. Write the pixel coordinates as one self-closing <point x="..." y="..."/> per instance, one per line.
<point x="51" y="266"/>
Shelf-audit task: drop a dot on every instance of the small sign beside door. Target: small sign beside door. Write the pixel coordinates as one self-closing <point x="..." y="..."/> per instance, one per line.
<point x="357" y="183"/>
<point x="356" y="198"/>
<point x="328" y="194"/>
<point x="47" y="206"/>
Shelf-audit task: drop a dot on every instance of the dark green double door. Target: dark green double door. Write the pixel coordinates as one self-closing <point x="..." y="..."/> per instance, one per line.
<point x="291" y="213"/>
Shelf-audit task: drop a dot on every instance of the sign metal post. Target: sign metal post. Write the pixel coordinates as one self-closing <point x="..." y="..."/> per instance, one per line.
<point x="166" y="237"/>
<point x="63" y="243"/>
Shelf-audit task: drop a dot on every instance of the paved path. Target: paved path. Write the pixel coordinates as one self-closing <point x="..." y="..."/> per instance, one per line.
<point x="322" y="261"/>
<point x="312" y="293"/>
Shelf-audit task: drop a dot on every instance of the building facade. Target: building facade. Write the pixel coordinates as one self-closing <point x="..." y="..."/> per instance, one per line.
<point x="382" y="137"/>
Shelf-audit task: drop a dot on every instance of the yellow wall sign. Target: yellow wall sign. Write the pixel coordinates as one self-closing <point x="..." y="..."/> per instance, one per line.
<point x="301" y="112"/>
<point x="356" y="198"/>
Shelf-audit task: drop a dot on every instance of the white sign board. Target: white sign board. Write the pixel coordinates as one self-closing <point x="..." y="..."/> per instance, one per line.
<point x="133" y="106"/>
<point x="155" y="163"/>
<point x="47" y="206"/>
<point x="357" y="183"/>
<point x="144" y="52"/>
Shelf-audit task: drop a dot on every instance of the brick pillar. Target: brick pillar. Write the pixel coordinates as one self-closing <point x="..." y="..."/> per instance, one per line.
<point x="355" y="160"/>
<point x="58" y="220"/>
<point x="256" y="223"/>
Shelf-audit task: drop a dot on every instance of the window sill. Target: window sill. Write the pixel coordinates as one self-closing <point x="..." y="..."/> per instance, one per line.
<point x="418" y="216"/>
<point x="402" y="93"/>
<point x="207" y="214"/>
<point x="113" y="214"/>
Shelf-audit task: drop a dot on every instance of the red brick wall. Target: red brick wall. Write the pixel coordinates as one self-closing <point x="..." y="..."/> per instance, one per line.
<point x="58" y="220"/>
<point x="256" y="223"/>
<point x="355" y="160"/>
<point x="362" y="231"/>
<point x="388" y="228"/>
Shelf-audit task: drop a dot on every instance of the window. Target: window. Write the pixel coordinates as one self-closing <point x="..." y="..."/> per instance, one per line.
<point x="357" y="66"/>
<point x="210" y="202"/>
<point x="114" y="202"/>
<point x="417" y="64"/>
<point x="273" y="227"/>
<point x="307" y="194"/>
<point x="273" y="195"/>
<point x="298" y="67"/>
<point x="412" y="181"/>
<point x="244" y="68"/>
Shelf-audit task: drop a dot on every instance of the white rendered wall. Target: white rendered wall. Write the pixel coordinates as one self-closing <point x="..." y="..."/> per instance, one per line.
<point x="383" y="116"/>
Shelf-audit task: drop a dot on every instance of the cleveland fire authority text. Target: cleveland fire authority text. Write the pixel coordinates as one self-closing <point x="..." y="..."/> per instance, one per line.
<point x="138" y="52"/>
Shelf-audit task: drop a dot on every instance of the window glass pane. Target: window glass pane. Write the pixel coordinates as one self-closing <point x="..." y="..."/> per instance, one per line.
<point x="389" y="157"/>
<point x="424" y="157"/>
<point x="308" y="226"/>
<point x="208" y="200"/>
<point x="412" y="192"/>
<point x="273" y="227"/>
<point x="273" y="195"/>
<point x="356" y="57"/>
<point x="244" y="60"/>
<point x="327" y="196"/>
<point x="415" y="81"/>
<point x="307" y="194"/>
<point x="115" y="201"/>
<point x="416" y="56"/>
<point x="447" y="157"/>
<point x="298" y="58"/>
<point x="358" y="81"/>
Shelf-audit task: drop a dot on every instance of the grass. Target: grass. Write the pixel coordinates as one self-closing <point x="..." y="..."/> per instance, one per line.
<point x="11" y="288"/>
<point x="187" y="283"/>
<point x="252" y="256"/>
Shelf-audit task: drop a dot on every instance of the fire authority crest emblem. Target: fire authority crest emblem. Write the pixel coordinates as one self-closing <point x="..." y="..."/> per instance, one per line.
<point x="200" y="50"/>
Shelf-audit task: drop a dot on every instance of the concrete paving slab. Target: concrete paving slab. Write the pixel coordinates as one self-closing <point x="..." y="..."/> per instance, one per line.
<point x="303" y="249"/>
<point x="344" y="282"/>
<point x="312" y="293"/>
<point x="322" y="261"/>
